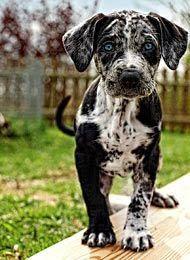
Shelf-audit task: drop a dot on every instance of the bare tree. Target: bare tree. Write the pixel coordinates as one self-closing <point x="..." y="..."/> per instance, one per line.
<point x="16" y="19"/>
<point x="182" y="11"/>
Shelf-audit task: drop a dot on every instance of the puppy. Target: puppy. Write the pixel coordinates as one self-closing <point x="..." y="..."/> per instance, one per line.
<point x="118" y="124"/>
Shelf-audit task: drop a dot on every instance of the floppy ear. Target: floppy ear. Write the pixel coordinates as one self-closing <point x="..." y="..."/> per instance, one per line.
<point x="79" y="41"/>
<point x="173" y="39"/>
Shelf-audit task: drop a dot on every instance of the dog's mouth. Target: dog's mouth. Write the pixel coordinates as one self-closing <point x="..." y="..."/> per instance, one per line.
<point x="129" y="90"/>
<point x="128" y="82"/>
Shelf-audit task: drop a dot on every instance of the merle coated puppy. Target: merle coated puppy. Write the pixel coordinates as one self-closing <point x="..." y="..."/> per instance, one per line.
<point x="118" y="124"/>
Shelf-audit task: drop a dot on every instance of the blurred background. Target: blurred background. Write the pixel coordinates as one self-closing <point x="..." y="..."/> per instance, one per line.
<point x="40" y="198"/>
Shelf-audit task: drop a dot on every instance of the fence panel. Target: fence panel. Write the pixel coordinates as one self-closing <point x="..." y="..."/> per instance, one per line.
<point x="22" y="90"/>
<point x="175" y="96"/>
<point x="174" y="89"/>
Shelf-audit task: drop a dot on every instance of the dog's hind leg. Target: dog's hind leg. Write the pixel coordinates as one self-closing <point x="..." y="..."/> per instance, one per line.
<point x="105" y="187"/>
<point x="160" y="200"/>
<point x="163" y="201"/>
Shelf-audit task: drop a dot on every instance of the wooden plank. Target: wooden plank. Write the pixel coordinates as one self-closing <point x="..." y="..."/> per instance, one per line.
<point x="170" y="228"/>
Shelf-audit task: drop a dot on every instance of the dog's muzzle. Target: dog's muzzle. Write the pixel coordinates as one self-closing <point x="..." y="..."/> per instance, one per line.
<point x="130" y="78"/>
<point x="128" y="82"/>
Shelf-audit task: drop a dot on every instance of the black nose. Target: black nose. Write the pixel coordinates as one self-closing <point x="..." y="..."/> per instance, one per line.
<point x="130" y="76"/>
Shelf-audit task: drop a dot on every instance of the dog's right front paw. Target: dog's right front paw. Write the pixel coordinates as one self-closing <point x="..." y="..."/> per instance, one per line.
<point x="98" y="238"/>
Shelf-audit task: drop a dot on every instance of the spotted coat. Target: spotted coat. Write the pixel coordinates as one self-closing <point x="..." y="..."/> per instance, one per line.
<point x="118" y="124"/>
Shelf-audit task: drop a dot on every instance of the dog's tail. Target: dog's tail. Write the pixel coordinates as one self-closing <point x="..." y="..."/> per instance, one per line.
<point x="58" y="117"/>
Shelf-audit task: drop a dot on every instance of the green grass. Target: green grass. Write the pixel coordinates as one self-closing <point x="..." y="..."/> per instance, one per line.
<point x="35" y="154"/>
<point x="40" y="197"/>
<point x="176" y="157"/>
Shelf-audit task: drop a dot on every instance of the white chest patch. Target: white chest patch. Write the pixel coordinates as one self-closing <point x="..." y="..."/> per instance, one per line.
<point x="120" y="132"/>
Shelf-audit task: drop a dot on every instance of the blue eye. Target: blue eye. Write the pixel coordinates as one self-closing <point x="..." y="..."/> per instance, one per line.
<point x="108" y="46"/>
<point x="149" y="46"/>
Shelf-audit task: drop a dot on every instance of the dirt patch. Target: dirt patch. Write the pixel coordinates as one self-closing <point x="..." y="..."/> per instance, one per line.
<point x="46" y="197"/>
<point x="27" y="187"/>
<point x="58" y="174"/>
<point x="23" y="185"/>
<point x="22" y="188"/>
<point x="18" y="187"/>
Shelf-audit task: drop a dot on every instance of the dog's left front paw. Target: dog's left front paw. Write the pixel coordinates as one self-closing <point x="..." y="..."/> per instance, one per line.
<point x="136" y="240"/>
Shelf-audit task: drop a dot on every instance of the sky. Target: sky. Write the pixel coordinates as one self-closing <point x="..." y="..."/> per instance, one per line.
<point x="108" y="6"/>
<point x="142" y="6"/>
<point x="145" y="6"/>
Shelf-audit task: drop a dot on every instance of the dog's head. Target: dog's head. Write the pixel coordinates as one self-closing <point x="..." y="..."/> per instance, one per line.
<point x="127" y="47"/>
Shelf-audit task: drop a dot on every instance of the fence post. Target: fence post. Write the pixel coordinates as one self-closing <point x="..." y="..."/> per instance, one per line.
<point x="174" y="101"/>
<point x="35" y="73"/>
<point x="185" y="94"/>
<point x="163" y="91"/>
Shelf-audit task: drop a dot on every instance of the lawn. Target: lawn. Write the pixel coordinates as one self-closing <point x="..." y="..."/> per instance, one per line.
<point x="40" y="198"/>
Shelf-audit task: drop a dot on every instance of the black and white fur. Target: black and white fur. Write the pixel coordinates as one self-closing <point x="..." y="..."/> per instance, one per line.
<point x="118" y="124"/>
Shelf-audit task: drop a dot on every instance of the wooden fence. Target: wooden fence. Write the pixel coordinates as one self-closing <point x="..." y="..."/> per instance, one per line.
<point x="58" y="86"/>
<point x="173" y="86"/>
<point x="21" y="89"/>
<point x="28" y="93"/>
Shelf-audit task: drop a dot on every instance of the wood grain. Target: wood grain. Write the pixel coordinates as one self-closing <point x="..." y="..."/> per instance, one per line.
<point x="170" y="228"/>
